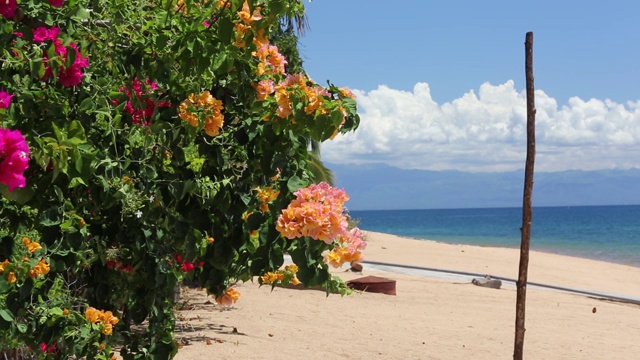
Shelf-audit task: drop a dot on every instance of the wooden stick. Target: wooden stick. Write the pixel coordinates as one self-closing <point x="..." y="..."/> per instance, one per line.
<point x="525" y="230"/>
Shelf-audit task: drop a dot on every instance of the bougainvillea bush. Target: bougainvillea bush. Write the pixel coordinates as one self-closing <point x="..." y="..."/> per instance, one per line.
<point x="144" y="142"/>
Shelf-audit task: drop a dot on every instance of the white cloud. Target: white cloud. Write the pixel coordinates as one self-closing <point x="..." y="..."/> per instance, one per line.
<point x="487" y="131"/>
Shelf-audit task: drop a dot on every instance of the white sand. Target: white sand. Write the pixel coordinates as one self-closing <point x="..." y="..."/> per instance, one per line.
<point x="429" y="318"/>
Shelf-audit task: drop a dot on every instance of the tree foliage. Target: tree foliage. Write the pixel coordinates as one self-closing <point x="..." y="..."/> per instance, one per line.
<point x="165" y="139"/>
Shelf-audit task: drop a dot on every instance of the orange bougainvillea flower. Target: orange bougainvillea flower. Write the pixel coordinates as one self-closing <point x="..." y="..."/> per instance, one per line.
<point x="267" y="195"/>
<point x="108" y="318"/>
<point x="105" y="318"/>
<point x="246" y="16"/>
<point x="230" y="296"/>
<point x="271" y="277"/>
<point x="31" y="246"/>
<point x="11" y="277"/>
<point x="41" y="268"/>
<point x="107" y="329"/>
<point x="209" y="106"/>
<point x="92" y="314"/>
<point x="3" y="265"/>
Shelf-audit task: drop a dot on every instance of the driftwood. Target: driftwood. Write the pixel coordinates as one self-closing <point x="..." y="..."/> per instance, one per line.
<point x="487" y="282"/>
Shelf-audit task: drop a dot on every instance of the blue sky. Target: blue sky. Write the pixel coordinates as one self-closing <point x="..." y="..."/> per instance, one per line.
<point x="440" y="85"/>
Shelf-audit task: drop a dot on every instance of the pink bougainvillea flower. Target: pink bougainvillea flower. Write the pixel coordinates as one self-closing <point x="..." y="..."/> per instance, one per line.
<point x="178" y="258"/>
<point x="8" y="8"/>
<point x="5" y="99"/>
<point x="317" y="212"/>
<point x="206" y="24"/>
<point x="263" y="89"/>
<point x="14" y="158"/>
<point x="56" y="3"/>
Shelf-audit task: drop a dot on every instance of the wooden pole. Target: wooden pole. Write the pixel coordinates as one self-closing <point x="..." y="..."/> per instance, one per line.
<point x="525" y="230"/>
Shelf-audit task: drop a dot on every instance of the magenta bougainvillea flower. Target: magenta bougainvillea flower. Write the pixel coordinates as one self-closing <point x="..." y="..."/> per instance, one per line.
<point x="14" y="158"/>
<point x="187" y="266"/>
<point x="56" y="3"/>
<point x="70" y="76"/>
<point x="5" y="99"/>
<point x="140" y="105"/>
<point x="8" y="8"/>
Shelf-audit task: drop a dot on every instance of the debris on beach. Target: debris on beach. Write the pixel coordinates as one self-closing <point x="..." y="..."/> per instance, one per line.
<point x="374" y="284"/>
<point x="488" y="282"/>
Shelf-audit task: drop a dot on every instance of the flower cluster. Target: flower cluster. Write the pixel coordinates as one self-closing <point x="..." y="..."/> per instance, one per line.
<point x="267" y="195"/>
<point x="118" y="265"/>
<point x="14" y="158"/>
<point x="41" y="268"/>
<point x="140" y="105"/>
<point x="103" y="318"/>
<point x="207" y="105"/>
<point x="242" y="28"/>
<point x="313" y="94"/>
<point x="230" y="296"/>
<point x="32" y="246"/>
<point x="271" y="61"/>
<point x="51" y="349"/>
<point x="11" y="276"/>
<point x="187" y="266"/>
<point x="263" y="89"/>
<point x="317" y="212"/>
<point x="8" y="7"/>
<point x="286" y="275"/>
<point x="67" y="76"/>
<point x="349" y="248"/>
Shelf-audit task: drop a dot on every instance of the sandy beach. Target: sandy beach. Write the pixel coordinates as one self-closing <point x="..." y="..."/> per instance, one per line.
<point x="430" y="317"/>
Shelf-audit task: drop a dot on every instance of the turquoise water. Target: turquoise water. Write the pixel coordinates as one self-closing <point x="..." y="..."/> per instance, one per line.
<point x="609" y="233"/>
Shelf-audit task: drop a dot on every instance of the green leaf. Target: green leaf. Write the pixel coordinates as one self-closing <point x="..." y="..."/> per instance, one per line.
<point x="19" y="195"/>
<point x="22" y="327"/>
<point x="225" y="30"/>
<point x="71" y="56"/>
<point x="76" y="181"/>
<point x="6" y="315"/>
<point x="82" y="13"/>
<point x="87" y="105"/>
<point x="296" y="183"/>
<point x="56" y="311"/>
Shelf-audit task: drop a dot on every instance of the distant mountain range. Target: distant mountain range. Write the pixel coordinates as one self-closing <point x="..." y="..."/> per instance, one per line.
<point x="383" y="187"/>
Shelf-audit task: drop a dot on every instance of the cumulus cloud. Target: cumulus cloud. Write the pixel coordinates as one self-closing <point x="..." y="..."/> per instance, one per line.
<point x="487" y="131"/>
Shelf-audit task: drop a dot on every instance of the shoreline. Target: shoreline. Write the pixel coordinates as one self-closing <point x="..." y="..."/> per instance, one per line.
<point x="544" y="267"/>
<point x="544" y="251"/>
<point x="429" y="318"/>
